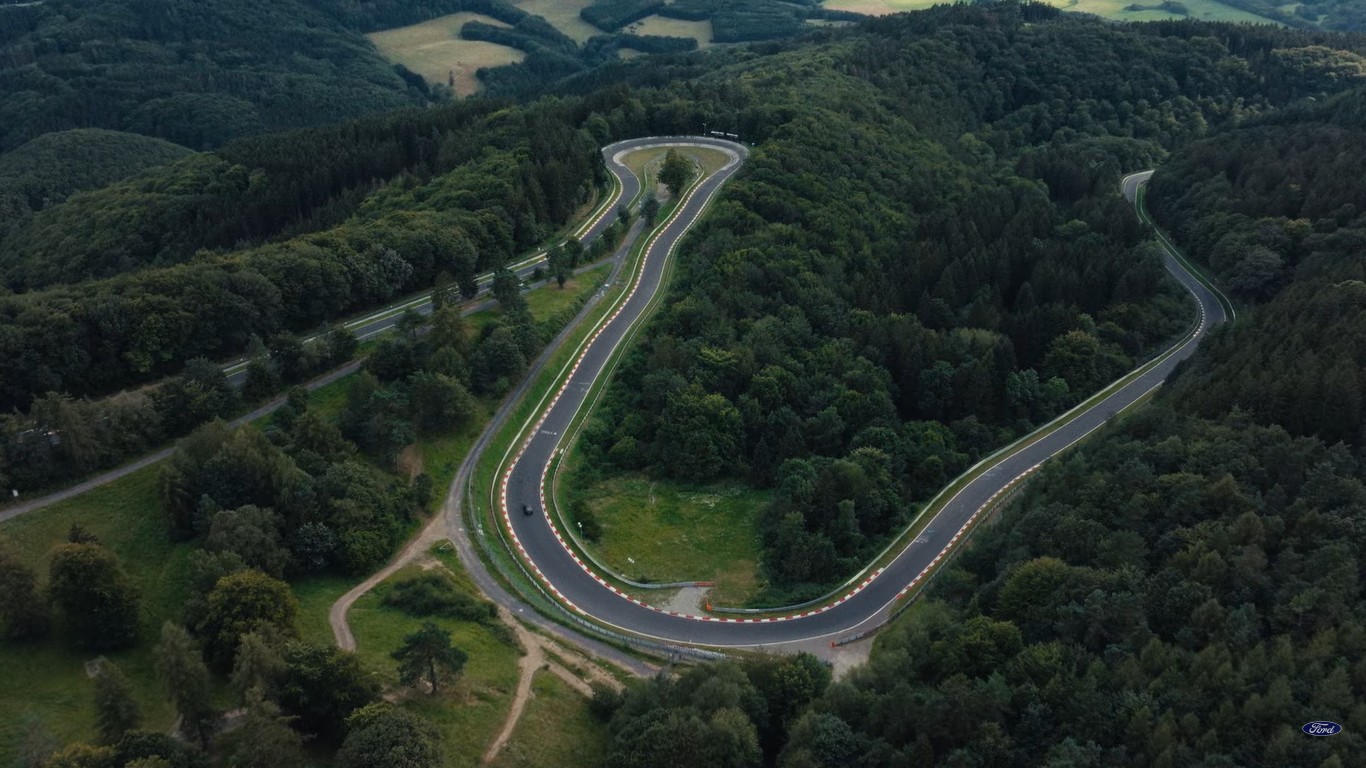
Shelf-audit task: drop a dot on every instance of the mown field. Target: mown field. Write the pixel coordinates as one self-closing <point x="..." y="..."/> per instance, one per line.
<point x="658" y="25"/>
<point x="1205" y="10"/>
<point x="435" y="50"/>
<point x="563" y="14"/>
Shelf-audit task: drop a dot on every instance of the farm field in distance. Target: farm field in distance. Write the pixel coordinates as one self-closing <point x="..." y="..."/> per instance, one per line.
<point x="1204" y="10"/>
<point x="434" y="49"/>
<point x="658" y="25"/>
<point x="563" y="15"/>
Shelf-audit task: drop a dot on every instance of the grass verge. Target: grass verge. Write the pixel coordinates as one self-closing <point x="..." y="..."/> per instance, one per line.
<point x="644" y="163"/>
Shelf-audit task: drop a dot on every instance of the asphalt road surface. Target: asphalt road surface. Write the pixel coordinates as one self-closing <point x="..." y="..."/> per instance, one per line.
<point x="866" y="605"/>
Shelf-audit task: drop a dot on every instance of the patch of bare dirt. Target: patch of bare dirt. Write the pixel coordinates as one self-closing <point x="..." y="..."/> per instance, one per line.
<point x="543" y="653"/>
<point x="410" y="462"/>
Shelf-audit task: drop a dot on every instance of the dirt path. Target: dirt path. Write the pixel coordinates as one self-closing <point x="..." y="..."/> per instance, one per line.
<point x="432" y="533"/>
<point x="538" y="650"/>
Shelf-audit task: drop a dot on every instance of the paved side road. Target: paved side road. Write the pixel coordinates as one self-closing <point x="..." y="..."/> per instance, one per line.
<point x="628" y="188"/>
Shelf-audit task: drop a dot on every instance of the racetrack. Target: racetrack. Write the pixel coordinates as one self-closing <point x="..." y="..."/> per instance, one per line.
<point x="864" y="605"/>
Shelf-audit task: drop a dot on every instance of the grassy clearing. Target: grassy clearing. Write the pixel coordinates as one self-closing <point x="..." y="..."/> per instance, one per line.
<point x="563" y="15"/>
<point x="648" y="160"/>
<point x="658" y="25"/>
<point x="469" y="712"/>
<point x="316" y="595"/>
<point x="679" y="532"/>
<point x="556" y="729"/>
<point x="435" y="50"/>
<point x="1206" y="10"/>
<point x="549" y="300"/>
<point x="47" y="681"/>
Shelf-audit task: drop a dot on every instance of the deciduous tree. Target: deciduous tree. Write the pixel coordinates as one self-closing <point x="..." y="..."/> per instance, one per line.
<point x="384" y="736"/>
<point x="23" y="612"/>
<point x="98" y="605"/>
<point x="240" y="603"/>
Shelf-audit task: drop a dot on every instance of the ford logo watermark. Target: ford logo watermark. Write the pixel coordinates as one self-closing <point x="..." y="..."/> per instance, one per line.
<point x="1321" y="728"/>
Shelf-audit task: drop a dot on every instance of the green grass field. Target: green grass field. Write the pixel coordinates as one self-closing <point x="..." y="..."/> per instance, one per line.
<point x="550" y="300"/>
<point x="435" y="50"/>
<point x="648" y="160"/>
<point x="556" y="730"/>
<point x="47" y="681"/>
<point x="1205" y="10"/>
<point x="678" y="532"/>
<point x="469" y="713"/>
<point x="659" y="25"/>
<point x="563" y="15"/>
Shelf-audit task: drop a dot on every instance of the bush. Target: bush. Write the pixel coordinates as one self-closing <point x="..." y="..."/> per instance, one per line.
<point x="434" y="594"/>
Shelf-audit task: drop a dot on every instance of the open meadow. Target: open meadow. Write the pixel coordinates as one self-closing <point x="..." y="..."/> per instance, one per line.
<point x="435" y="50"/>
<point x="659" y="25"/>
<point x="1205" y="10"/>
<point x="563" y="15"/>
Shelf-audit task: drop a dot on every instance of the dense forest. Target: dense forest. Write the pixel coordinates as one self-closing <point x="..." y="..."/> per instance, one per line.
<point x="48" y="169"/>
<point x="937" y="279"/>
<point x="499" y="194"/>
<point x="1275" y="210"/>
<point x="1185" y="588"/>
<point x="260" y="65"/>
